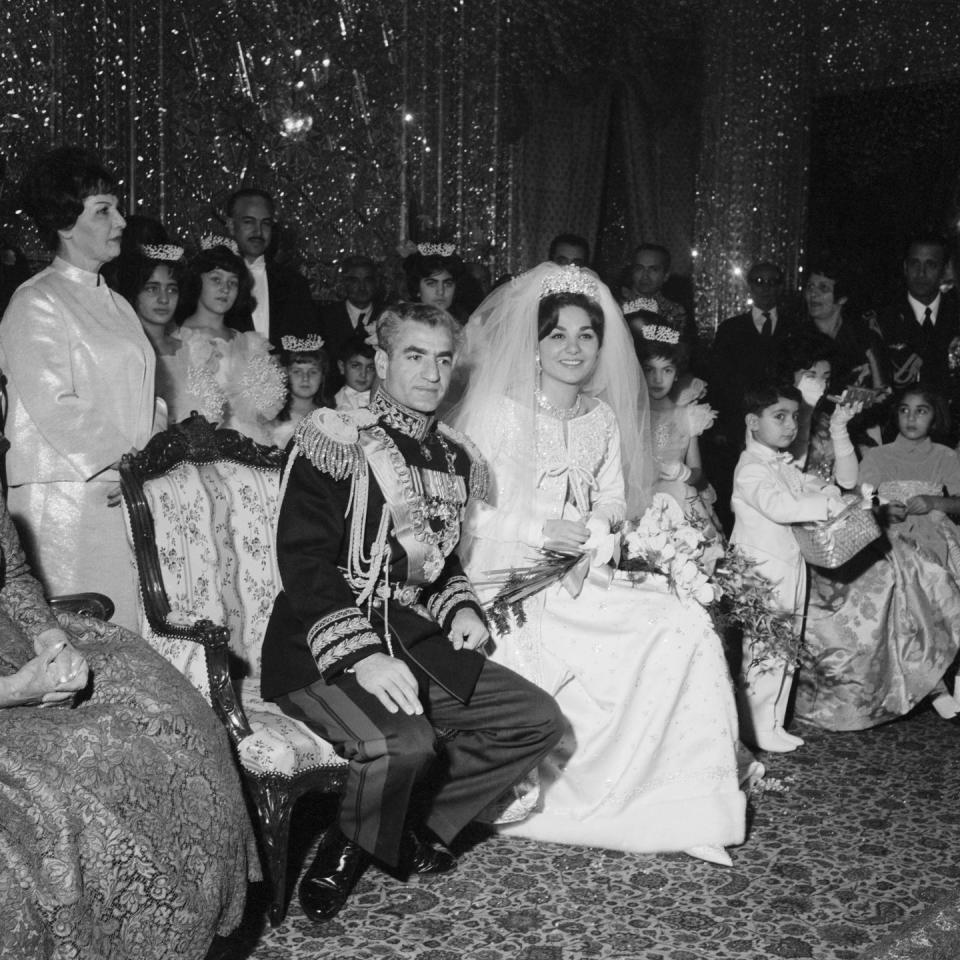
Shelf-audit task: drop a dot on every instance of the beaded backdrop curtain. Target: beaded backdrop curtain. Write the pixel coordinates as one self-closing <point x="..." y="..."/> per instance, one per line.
<point x="751" y="193"/>
<point x="562" y="158"/>
<point x="371" y="121"/>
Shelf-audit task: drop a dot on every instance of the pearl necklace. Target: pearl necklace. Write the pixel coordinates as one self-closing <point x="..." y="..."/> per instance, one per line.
<point x="561" y="413"/>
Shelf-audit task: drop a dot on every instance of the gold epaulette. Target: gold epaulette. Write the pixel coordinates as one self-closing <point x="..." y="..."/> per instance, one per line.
<point x="479" y="471"/>
<point x="330" y="439"/>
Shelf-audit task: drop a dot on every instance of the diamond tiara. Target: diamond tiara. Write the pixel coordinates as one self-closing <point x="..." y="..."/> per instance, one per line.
<point x="211" y="240"/>
<point x="569" y="280"/>
<point x="436" y="249"/>
<point x="168" y="252"/>
<point x="660" y="334"/>
<point x="641" y="303"/>
<point x="301" y="344"/>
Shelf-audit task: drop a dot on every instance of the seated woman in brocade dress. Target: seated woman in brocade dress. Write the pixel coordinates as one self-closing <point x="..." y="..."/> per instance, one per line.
<point x="229" y="377"/>
<point x="557" y="404"/>
<point x="123" y="831"/>
<point x="884" y="629"/>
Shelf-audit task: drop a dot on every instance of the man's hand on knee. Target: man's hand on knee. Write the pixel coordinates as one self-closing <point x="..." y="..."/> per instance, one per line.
<point x="391" y="681"/>
<point x="467" y="630"/>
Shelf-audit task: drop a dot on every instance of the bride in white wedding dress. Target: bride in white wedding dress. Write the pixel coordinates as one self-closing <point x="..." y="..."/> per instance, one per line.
<point x="557" y="404"/>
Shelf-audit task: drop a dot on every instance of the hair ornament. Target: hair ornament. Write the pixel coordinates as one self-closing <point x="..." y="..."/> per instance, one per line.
<point x="211" y="240"/>
<point x="436" y="249"/>
<point x="168" y="252"/>
<point x="640" y="303"/>
<point x="301" y="344"/>
<point x="571" y="279"/>
<point x="658" y="333"/>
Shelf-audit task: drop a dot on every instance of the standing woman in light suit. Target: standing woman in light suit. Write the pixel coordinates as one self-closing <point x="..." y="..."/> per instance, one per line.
<point x="80" y="378"/>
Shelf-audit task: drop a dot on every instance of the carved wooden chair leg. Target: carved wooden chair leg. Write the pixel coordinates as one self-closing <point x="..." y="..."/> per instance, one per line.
<point x="274" y="804"/>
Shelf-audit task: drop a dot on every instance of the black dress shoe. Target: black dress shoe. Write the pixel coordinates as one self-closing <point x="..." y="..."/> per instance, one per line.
<point x="423" y="853"/>
<point x="334" y="873"/>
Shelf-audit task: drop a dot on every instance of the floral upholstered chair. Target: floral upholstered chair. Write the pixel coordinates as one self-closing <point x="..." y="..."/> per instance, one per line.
<point x="200" y="507"/>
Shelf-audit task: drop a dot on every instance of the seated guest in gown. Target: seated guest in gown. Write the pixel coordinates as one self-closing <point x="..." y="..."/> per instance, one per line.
<point x="228" y="376"/>
<point x="557" y="403"/>
<point x="770" y="494"/>
<point x="80" y="378"/>
<point x="123" y="830"/>
<point x="374" y="640"/>
<point x="884" y="629"/>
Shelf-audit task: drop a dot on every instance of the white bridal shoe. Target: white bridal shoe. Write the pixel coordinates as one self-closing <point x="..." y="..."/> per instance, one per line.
<point x="710" y="853"/>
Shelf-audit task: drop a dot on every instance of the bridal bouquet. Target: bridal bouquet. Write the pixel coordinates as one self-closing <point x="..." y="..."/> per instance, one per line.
<point x="664" y="542"/>
<point x="666" y="545"/>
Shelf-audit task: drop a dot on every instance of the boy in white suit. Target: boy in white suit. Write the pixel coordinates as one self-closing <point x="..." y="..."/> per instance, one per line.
<point x="769" y="494"/>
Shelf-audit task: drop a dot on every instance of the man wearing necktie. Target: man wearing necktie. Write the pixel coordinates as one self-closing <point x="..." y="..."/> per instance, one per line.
<point x="919" y="327"/>
<point x="746" y="346"/>
<point x="354" y="315"/>
<point x="284" y="305"/>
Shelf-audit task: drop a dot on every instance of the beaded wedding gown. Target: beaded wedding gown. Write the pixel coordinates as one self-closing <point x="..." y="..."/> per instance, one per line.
<point x="648" y="759"/>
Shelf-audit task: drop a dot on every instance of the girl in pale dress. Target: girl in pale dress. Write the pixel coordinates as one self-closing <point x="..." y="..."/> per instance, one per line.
<point x="675" y="426"/>
<point x="150" y="278"/>
<point x="229" y="377"/>
<point x="884" y="629"/>
<point x="307" y="368"/>
<point x="557" y="404"/>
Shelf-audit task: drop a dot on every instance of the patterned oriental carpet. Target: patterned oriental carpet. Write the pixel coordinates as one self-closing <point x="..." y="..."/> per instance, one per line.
<point x="853" y="854"/>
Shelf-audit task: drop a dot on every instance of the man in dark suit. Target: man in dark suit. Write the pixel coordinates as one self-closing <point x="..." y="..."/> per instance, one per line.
<point x="375" y="639"/>
<point x="284" y="306"/>
<point x="746" y="346"/>
<point x="921" y="324"/>
<point x="356" y="314"/>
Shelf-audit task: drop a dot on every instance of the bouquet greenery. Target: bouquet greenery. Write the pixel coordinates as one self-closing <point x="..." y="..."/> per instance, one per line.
<point x="693" y="563"/>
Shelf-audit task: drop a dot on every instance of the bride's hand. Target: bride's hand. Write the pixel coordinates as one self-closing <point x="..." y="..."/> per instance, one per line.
<point x="565" y="536"/>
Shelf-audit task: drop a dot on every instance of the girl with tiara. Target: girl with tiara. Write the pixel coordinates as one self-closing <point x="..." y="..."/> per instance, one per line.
<point x="433" y="271"/>
<point x="307" y="369"/>
<point x="675" y="427"/>
<point x="557" y="404"/>
<point x="150" y="279"/>
<point x="227" y="376"/>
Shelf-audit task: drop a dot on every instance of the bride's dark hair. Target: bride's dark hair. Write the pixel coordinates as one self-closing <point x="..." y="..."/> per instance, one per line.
<point x="548" y="313"/>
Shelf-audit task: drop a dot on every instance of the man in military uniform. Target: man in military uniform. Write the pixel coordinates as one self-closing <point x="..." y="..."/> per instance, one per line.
<point x="376" y="639"/>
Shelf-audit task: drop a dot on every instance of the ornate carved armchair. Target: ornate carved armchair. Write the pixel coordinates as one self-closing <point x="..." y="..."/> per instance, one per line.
<point x="200" y="506"/>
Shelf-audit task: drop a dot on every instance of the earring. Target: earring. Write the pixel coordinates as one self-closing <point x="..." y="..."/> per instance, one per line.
<point x="537" y="363"/>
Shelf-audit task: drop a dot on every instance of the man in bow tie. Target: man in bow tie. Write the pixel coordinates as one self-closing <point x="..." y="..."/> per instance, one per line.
<point x="284" y="306"/>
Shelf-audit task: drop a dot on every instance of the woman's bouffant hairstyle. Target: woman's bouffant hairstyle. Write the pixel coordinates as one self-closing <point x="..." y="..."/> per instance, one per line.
<point x="390" y="321"/>
<point x="418" y="267"/>
<point x="54" y="188"/>
<point x="835" y="270"/>
<point x="216" y="258"/>
<point x="548" y="313"/>
<point x="942" y="421"/>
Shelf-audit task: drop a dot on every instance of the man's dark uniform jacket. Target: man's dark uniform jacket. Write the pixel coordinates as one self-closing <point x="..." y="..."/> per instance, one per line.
<point x="903" y="336"/>
<point x="334" y="521"/>
<point x="292" y="310"/>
